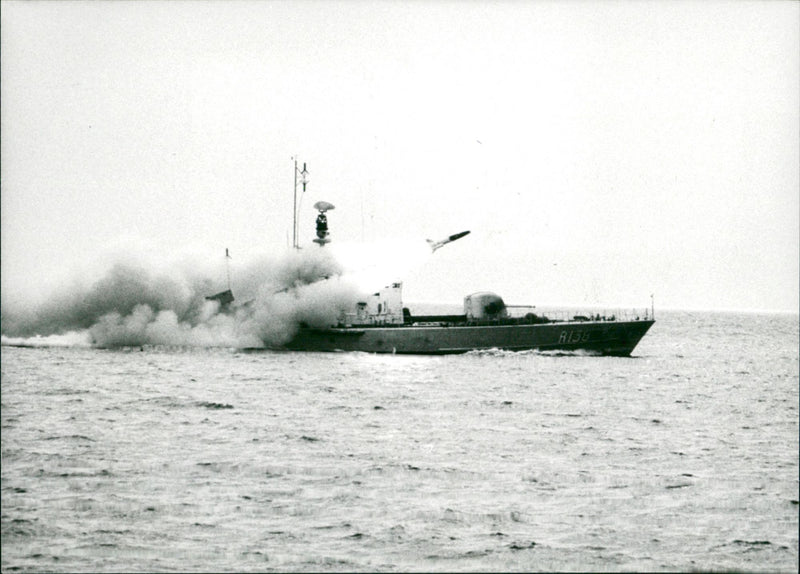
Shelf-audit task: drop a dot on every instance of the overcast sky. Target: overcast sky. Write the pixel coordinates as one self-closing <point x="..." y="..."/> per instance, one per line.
<point x="599" y="152"/>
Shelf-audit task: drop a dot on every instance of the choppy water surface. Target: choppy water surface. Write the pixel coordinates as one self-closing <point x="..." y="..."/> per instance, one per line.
<point x="684" y="457"/>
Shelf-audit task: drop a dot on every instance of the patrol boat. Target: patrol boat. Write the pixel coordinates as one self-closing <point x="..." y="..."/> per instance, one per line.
<point x="381" y="324"/>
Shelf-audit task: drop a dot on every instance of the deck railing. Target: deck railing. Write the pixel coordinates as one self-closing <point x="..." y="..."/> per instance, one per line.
<point x="582" y="315"/>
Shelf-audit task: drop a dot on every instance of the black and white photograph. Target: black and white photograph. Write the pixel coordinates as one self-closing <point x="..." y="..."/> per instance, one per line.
<point x="400" y="286"/>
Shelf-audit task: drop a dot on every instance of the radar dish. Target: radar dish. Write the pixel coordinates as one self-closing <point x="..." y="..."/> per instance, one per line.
<point x="323" y="206"/>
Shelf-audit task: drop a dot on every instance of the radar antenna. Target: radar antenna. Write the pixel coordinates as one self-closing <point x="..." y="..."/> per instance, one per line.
<point x="322" y="222"/>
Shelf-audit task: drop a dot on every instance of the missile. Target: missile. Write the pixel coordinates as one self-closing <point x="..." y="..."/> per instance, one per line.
<point x="437" y="244"/>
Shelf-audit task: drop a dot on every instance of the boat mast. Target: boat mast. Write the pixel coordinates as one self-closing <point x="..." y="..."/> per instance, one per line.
<point x="294" y="208"/>
<point x="303" y="180"/>
<point x="228" y="267"/>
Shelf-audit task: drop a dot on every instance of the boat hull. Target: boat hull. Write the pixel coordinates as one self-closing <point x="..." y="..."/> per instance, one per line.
<point x="617" y="338"/>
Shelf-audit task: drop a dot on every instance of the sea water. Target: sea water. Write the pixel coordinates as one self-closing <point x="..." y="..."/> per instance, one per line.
<point x="682" y="457"/>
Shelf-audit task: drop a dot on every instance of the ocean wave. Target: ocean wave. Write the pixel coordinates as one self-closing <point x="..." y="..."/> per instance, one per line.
<point x="496" y="352"/>
<point x="214" y="406"/>
<point x="70" y="339"/>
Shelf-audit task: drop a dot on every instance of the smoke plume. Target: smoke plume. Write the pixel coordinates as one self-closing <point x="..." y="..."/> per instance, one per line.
<point x="135" y="304"/>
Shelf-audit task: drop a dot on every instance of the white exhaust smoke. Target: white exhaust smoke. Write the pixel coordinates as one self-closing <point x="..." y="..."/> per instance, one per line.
<point x="133" y="304"/>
